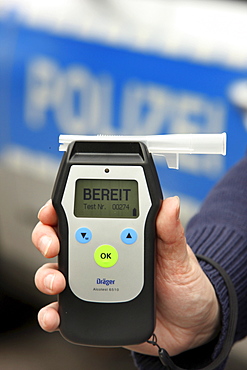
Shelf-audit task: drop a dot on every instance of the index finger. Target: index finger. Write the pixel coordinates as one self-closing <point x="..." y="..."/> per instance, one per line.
<point x="47" y="214"/>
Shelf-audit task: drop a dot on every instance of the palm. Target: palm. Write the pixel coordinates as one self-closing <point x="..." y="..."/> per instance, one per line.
<point x="187" y="308"/>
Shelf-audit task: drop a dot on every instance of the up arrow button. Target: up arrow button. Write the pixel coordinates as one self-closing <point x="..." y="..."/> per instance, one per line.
<point x="128" y="236"/>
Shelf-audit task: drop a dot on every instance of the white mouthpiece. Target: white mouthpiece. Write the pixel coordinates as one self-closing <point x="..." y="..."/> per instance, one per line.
<point x="169" y="146"/>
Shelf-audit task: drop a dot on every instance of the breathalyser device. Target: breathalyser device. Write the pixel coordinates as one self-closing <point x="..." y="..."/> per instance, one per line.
<point x="107" y="195"/>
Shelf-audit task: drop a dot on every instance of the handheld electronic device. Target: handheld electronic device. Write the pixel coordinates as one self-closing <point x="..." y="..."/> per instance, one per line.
<point x="107" y="196"/>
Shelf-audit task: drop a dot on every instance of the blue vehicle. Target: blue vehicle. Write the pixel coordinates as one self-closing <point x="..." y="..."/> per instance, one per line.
<point x="126" y="67"/>
<point x="113" y="67"/>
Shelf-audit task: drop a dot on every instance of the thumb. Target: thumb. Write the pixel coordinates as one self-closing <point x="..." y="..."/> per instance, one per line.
<point x="171" y="243"/>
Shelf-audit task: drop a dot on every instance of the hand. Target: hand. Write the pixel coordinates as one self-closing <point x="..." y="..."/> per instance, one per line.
<point x="187" y="311"/>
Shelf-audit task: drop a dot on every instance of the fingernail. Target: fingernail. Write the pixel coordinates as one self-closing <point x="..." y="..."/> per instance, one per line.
<point x="44" y="244"/>
<point x="43" y="320"/>
<point x="49" y="280"/>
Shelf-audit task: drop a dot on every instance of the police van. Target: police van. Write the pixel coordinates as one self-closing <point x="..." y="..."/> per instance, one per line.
<point x="112" y="67"/>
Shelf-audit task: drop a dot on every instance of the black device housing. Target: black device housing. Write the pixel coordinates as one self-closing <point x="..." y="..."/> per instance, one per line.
<point x="108" y="324"/>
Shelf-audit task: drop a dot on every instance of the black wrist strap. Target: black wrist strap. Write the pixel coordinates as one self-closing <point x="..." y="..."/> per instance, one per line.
<point x="233" y="317"/>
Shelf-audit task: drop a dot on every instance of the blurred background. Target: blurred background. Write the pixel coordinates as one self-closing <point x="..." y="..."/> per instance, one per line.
<point x="106" y="67"/>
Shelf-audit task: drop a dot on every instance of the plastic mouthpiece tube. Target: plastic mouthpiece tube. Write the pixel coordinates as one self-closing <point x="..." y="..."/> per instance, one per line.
<point x="169" y="146"/>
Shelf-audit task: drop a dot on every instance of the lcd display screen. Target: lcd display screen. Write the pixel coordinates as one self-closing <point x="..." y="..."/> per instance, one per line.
<point x="102" y="198"/>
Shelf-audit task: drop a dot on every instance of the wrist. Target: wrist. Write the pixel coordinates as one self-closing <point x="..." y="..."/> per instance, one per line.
<point x="210" y="323"/>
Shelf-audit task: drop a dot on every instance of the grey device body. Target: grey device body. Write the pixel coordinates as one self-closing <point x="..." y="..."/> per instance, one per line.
<point x="107" y="196"/>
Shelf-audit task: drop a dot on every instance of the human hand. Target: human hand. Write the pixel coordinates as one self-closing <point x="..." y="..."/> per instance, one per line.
<point x="187" y="310"/>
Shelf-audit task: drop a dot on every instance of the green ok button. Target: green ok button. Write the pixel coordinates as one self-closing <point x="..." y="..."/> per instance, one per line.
<point x="106" y="256"/>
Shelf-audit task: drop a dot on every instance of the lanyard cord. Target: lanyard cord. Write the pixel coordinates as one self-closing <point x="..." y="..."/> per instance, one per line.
<point x="233" y="317"/>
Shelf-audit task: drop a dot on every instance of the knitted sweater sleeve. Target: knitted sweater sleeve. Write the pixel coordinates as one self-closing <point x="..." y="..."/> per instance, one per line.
<point x="218" y="231"/>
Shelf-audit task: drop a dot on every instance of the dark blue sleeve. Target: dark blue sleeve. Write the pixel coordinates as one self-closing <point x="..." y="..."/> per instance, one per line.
<point x="218" y="231"/>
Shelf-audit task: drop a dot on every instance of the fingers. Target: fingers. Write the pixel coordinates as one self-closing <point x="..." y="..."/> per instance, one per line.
<point x="48" y="317"/>
<point x="44" y="236"/>
<point x="47" y="214"/>
<point x="45" y="240"/>
<point x="49" y="280"/>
